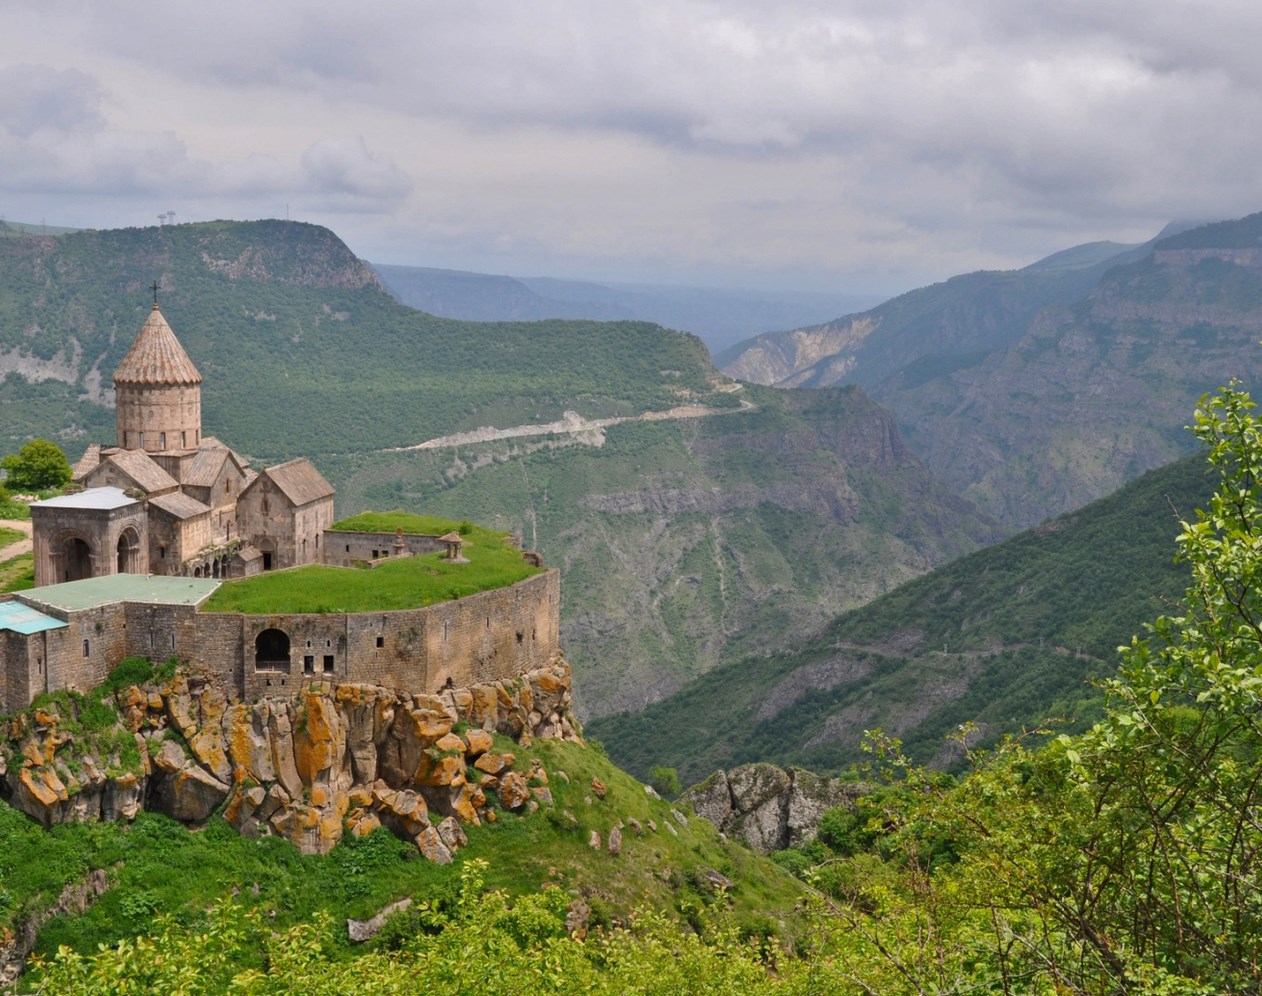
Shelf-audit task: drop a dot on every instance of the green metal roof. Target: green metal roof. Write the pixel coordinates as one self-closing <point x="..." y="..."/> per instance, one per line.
<point x="25" y="620"/>
<point x="91" y="592"/>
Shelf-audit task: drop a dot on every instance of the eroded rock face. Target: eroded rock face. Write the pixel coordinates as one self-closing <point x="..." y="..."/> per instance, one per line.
<point x="327" y="759"/>
<point x="768" y="807"/>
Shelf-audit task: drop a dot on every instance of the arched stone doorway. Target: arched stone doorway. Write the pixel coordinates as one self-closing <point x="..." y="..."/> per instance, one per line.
<point x="268" y="550"/>
<point x="128" y="560"/>
<point x="76" y="559"/>
<point x="271" y="651"/>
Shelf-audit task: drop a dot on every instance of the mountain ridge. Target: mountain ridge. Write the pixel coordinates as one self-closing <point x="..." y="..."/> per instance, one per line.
<point x="1035" y="391"/>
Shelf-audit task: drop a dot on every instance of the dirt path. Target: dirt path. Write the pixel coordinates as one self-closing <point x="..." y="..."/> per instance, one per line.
<point x="21" y="546"/>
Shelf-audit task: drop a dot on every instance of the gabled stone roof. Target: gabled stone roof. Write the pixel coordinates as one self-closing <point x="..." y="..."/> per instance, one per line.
<point x="156" y="357"/>
<point x="299" y="481"/>
<point x="141" y="468"/>
<point x="180" y="505"/>
<point x="203" y="469"/>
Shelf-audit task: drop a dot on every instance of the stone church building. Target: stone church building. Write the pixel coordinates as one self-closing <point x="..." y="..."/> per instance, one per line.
<point x="167" y="500"/>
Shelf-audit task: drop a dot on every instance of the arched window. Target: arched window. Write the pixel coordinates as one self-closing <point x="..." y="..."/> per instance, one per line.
<point x="271" y="651"/>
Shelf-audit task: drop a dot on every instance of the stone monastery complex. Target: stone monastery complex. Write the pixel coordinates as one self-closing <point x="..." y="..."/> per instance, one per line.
<point x="123" y="564"/>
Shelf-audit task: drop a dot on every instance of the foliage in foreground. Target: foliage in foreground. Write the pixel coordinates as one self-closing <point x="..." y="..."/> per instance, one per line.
<point x="483" y="944"/>
<point x="1121" y="860"/>
<point x="1124" y="859"/>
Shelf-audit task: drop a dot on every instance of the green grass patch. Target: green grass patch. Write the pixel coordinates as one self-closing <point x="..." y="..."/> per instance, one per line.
<point x="8" y="536"/>
<point x="405" y="583"/>
<point x="17" y="573"/>
<point x="409" y="522"/>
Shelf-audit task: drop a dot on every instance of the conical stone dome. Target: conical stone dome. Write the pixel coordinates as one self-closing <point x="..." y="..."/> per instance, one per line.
<point x="157" y="392"/>
<point x="156" y="357"/>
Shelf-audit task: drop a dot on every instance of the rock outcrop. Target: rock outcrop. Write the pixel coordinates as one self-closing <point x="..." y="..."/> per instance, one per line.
<point x="326" y="760"/>
<point x="768" y="807"/>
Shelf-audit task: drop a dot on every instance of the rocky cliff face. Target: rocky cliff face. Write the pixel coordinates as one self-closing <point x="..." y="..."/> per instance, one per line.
<point x="680" y="541"/>
<point x="767" y="807"/>
<point x="1034" y="392"/>
<point x="327" y="760"/>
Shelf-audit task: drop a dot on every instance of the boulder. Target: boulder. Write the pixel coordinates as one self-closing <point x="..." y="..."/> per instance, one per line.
<point x="190" y="794"/>
<point x="358" y="931"/>
<point x="479" y="742"/>
<point x="452" y="834"/>
<point x="431" y="845"/>
<point x="513" y="790"/>
<point x="711" y="800"/>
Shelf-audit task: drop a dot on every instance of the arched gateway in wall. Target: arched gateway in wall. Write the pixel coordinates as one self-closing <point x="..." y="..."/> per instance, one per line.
<point x="128" y="552"/>
<point x="76" y="559"/>
<point x="271" y="651"/>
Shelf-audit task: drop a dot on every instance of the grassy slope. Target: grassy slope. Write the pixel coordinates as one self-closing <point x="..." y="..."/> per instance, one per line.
<point x="156" y="865"/>
<point x="1025" y="624"/>
<point x="17" y="573"/>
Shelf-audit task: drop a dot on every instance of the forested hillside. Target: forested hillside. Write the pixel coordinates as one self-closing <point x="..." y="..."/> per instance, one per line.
<point x="1004" y="638"/>
<point x="300" y="348"/>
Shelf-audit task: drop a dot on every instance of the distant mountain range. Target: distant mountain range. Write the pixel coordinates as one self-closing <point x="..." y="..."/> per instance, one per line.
<point x="1005" y="638"/>
<point x="1037" y="390"/>
<point x="719" y="317"/>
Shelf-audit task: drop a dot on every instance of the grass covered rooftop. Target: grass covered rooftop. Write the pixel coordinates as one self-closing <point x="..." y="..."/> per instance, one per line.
<point x="402" y="583"/>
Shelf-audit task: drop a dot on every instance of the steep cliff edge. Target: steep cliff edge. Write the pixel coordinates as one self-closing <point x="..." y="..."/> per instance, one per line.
<point x="685" y="542"/>
<point x="327" y="759"/>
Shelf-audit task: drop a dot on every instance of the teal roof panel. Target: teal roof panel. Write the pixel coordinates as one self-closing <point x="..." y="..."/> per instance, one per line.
<point x="25" y="620"/>
<point x="92" y="592"/>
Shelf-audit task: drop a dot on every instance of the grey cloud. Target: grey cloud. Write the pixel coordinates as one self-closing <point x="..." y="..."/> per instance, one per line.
<point x="34" y="98"/>
<point x="346" y="167"/>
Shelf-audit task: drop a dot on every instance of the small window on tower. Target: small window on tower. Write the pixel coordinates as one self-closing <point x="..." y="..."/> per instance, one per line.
<point x="162" y="440"/>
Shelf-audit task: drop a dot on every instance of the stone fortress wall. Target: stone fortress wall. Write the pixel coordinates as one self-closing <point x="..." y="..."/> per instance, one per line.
<point x="478" y="638"/>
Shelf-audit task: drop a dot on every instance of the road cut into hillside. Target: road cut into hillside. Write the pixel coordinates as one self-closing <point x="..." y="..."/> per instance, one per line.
<point x="571" y="423"/>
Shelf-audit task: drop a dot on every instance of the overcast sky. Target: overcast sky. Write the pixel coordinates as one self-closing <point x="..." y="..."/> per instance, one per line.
<point x="848" y="145"/>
